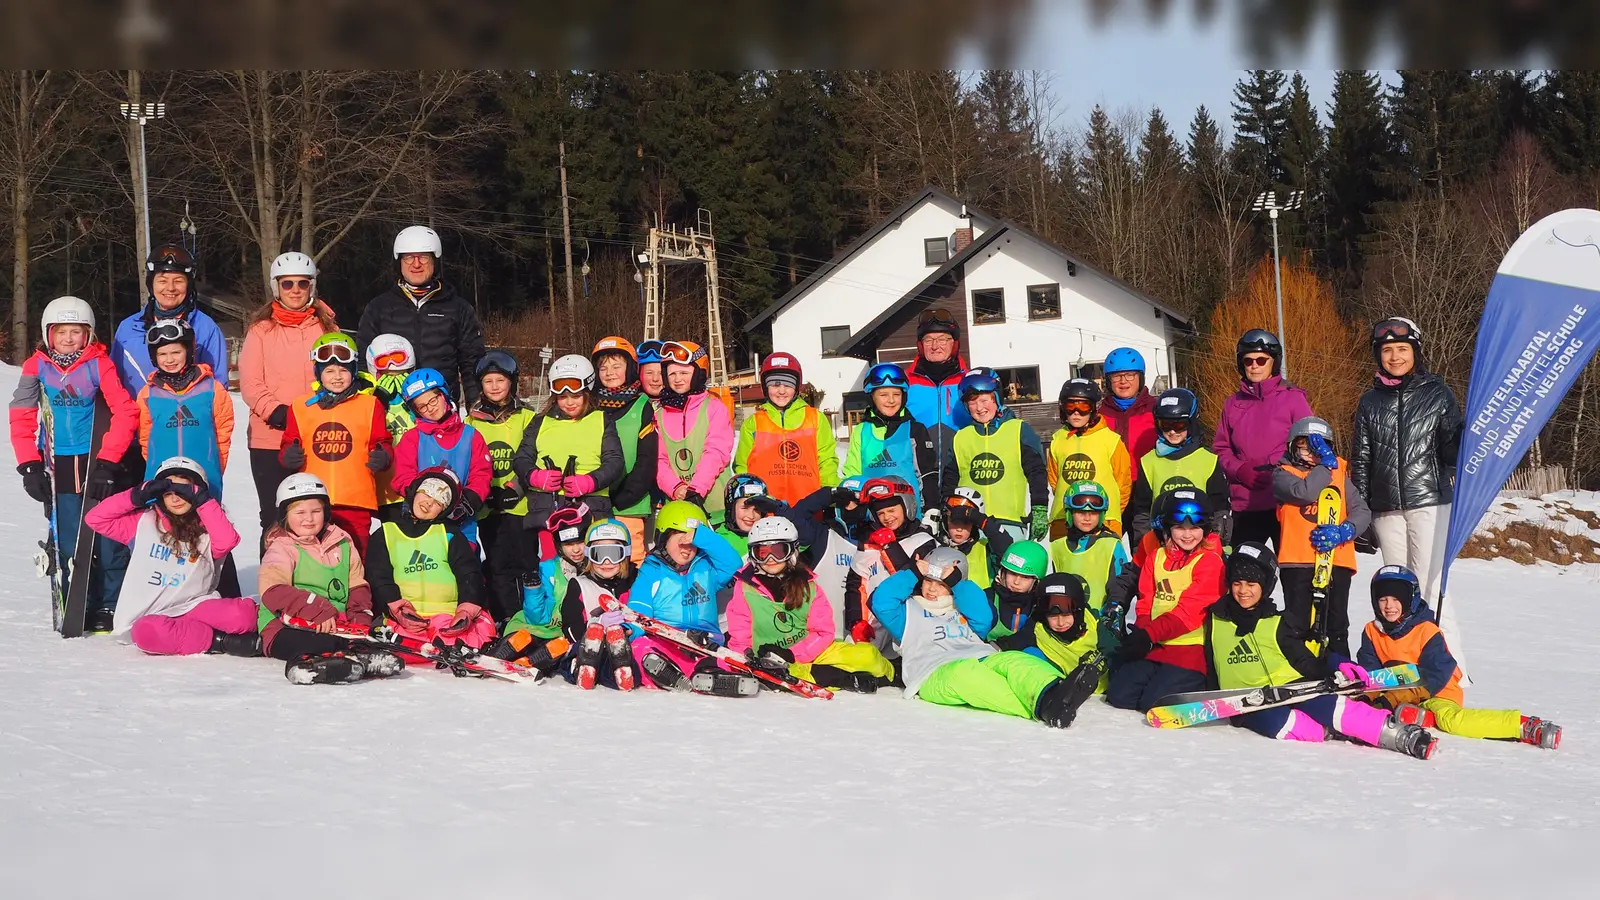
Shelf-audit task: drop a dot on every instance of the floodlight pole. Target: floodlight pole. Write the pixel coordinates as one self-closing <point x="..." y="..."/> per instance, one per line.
<point x="142" y="113"/>
<point x="1268" y="201"/>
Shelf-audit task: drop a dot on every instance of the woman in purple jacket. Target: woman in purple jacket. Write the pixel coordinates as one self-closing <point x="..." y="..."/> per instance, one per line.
<point x="1252" y="433"/>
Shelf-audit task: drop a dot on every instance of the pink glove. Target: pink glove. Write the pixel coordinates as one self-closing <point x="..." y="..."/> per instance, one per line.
<point x="577" y="485"/>
<point x="1352" y="672"/>
<point x="465" y="614"/>
<point x="547" y="480"/>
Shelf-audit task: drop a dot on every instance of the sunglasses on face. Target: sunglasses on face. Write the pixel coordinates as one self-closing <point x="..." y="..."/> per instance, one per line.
<point x="295" y="284"/>
<point x="774" y="551"/>
<point x="1256" y="362"/>
<point x="334" y="353"/>
<point x="606" y="554"/>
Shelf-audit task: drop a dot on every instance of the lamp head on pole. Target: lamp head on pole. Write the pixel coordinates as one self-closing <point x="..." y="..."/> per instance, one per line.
<point x="142" y="112"/>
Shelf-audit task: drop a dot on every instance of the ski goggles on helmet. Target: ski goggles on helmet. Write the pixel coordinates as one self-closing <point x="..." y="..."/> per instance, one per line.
<point x="876" y="491"/>
<point x="166" y="332"/>
<point x="334" y="351"/>
<point x="773" y="551"/>
<point x="1088" y="503"/>
<point x="961" y="506"/>
<point x="567" y="386"/>
<point x="1395" y="330"/>
<point x="497" y="361"/>
<point x="1077" y="405"/>
<point x="606" y="554"/>
<point x="745" y="490"/>
<point x="1187" y="512"/>
<point x="936" y="319"/>
<point x="672" y="351"/>
<point x="649" y="352"/>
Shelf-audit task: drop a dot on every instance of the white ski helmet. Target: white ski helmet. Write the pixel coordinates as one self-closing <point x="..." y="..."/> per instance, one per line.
<point x="772" y="529"/>
<point x="418" y="239"/>
<point x="300" y="486"/>
<point x="68" y="311"/>
<point x="572" y="366"/>
<point x="946" y="564"/>
<point x="294" y="263"/>
<point x="386" y="345"/>
<point x="181" y="465"/>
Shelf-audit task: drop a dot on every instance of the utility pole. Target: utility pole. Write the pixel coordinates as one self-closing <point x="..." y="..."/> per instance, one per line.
<point x="140" y="114"/>
<point x="1267" y="200"/>
<point x="566" y="237"/>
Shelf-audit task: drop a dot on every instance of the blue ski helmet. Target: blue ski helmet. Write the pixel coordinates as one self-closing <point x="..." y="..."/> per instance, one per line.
<point x="740" y="486"/>
<point x="980" y="380"/>
<point x="1124" y="359"/>
<point x="886" y="375"/>
<point x="422" y="381"/>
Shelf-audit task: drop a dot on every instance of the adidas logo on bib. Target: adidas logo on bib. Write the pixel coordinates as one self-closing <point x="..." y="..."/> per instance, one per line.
<point x="420" y="562"/>
<point x="182" y="418"/>
<point x="1243" y="654"/>
<point x="883" y="461"/>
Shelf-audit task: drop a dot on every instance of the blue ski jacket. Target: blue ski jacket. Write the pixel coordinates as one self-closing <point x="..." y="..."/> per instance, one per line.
<point x="687" y="599"/>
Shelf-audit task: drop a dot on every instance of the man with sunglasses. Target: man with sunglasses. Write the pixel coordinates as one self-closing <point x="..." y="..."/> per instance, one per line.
<point x="1403" y="459"/>
<point x="934" y="379"/>
<point x="441" y="325"/>
<point x="1252" y="432"/>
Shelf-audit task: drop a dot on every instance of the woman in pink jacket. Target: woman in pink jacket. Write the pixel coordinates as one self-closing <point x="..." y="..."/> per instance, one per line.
<point x="697" y="437"/>
<point x="1252" y="432"/>
<point x="275" y="368"/>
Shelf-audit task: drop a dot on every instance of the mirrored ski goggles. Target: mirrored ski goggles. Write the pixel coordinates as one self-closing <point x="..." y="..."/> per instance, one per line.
<point x="1078" y="406"/>
<point x="165" y="332"/>
<point x="962" y="504"/>
<point x="772" y="551"/>
<point x="1187" y="513"/>
<point x="567" y="386"/>
<point x="607" y="554"/>
<point x="650" y="351"/>
<point x="334" y="352"/>
<point x="1088" y="503"/>
<point x="394" y="359"/>
<point x="1394" y="329"/>
<point x="879" y="491"/>
<point x="672" y="351"/>
<point x="748" y="489"/>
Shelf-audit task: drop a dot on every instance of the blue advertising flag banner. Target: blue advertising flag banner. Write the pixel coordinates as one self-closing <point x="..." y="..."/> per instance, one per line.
<point x="1541" y="323"/>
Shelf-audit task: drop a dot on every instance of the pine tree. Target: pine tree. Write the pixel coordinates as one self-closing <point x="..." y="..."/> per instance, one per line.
<point x="1443" y="130"/>
<point x="1358" y="151"/>
<point x="1569" y="113"/>
<point x="1159" y="155"/>
<point x="1261" y="125"/>
<point x="1005" y="144"/>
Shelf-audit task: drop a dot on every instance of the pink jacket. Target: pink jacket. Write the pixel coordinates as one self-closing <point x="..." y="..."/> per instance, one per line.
<point x="118" y="519"/>
<point x="447" y="432"/>
<point x="819" y="621"/>
<point x="276" y="580"/>
<point x="274" y="369"/>
<point x="718" y="453"/>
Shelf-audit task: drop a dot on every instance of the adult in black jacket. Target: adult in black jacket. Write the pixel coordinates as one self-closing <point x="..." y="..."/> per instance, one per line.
<point x="441" y="325"/>
<point x="1407" y="433"/>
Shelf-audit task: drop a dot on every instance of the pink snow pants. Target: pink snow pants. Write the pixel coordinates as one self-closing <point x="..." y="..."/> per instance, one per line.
<point x="644" y="643"/>
<point x="192" y="631"/>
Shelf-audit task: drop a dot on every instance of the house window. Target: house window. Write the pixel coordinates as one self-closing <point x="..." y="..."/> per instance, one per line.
<point x="834" y="336"/>
<point x="988" y="307"/>
<point x="1020" y="385"/>
<point x="902" y="356"/>
<point x="1093" y="371"/>
<point x="936" y="251"/>
<point x="1044" y="301"/>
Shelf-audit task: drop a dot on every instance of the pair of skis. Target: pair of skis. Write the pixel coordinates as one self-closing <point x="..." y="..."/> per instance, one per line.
<point x="1203" y="707"/>
<point x="69" y="593"/>
<point x="461" y="660"/>
<point x="733" y="662"/>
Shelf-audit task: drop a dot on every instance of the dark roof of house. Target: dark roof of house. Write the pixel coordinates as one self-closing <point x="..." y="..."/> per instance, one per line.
<point x="863" y="342"/>
<point x="850" y="249"/>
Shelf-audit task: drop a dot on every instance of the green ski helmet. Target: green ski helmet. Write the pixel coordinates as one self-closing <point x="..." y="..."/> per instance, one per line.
<point x="1026" y="558"/>
<point x="1087" y="496"/>
<point x="676" y="515"/>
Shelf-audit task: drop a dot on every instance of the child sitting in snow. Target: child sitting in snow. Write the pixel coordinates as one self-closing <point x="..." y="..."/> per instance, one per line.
<point x="940" y="620"/>
<point x="311" y="571"/>
<point x="1249" y="644"/>
<point x="424" y="572"/>
<point x="179" y="535"/>
<point x="781" y="619"/>
<point x="534" y="635"/>
<point x="1063" y="630"/>
<point x="1403" y="631"/>
<point x="678" y="585"/>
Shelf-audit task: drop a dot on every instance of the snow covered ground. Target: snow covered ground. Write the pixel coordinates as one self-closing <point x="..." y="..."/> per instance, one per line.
<point x="132" y="776"/>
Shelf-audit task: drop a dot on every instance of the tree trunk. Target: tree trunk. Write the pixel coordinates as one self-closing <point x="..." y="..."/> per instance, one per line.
<point x="19" y="223"/>
<point x="271" y="241"/>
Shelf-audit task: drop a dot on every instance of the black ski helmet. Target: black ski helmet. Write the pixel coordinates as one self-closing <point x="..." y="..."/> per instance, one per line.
<point x="1253" y="561"/>
<point x="1258" y="340"/>
<point x="1079" y="389"/>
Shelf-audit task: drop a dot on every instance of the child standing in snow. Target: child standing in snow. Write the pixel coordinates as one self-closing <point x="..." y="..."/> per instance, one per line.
<point x="178" y="535"/>
<point x="509" y="549"/>
<point x="678" y="584"/>
<point x="441" y="438"/>
<point x="782" y="620"/>
<point x="390" y="358"/>
<point x="61" y="381"/>
<point x="1249" y="644"/>
<point x="425" y="573"/>
<point x="311" y="571"/>
<point x="940" y="620"/>
<point x="183" y="409"/>
<point x="1403" y="631"/>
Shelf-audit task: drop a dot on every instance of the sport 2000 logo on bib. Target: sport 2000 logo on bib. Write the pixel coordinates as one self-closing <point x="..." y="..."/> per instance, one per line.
<point x="332" y="441"/>
<point x="1078" y="467"/>
<point x="986" y="469"/>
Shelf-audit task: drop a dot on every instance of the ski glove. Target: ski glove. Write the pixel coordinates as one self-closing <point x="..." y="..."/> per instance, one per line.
<point x="1326" y="537"/>
<point x="577" y="485"/>
<point x="196" y="494"/>
<point x="278" y="418"/>
<point x="102" y="481"/>
<point x="465" y="613"/>
<point x="695" y="497"/>
<point x="35" y="480"/>
<point x="1353" y="672"/>
<point x="702" y="638"/>
<point x="547" y="480"/>
<point x="403" y="611"/>
<point x="842" y="497"/>
<point x="612" y="617"/>
<point x="149" y="492"/>
<point x="1137" y="644"/>
<point x="293" y="457"/>
<point x="862" y="632"/>
<point x="882" y="537"/>
<point x="377" y="460"/>
<point x="1039" y="525"/>
<point x="1324" y="453"/>
<point x="767" y="506"/>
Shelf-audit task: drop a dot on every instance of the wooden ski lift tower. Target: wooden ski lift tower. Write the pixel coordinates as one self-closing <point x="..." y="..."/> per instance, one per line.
<point x="670" y="246"/>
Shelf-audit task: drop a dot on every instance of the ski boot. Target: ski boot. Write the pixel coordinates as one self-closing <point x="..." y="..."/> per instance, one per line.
<point x="616" y="639"/>
<point x="324" y="668"/>
<point x="99" y="621"/>
<point x="665" y="675"/>
<point x="709" y="678"/>
<point x="1540" y="733"/>
<point x="1412" y="714"/>
<point x="589" y="654"/>
<point x="247" y="644"/>
<point x="837" y="679"/>
<point x="1411" y="740"/>
<point x="377" y="662"/>
<point x="1058" y="704"/>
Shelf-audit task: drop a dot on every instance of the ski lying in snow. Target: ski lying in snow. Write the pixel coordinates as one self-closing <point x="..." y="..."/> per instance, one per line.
<point x="460" y="660"/>
<point x="733" y="661"/>
<point x="1237" y="703"/>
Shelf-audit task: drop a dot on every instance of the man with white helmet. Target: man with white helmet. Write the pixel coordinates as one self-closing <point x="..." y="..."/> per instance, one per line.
<point x="62" y="379"/>
<point x="441" y="325"/>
